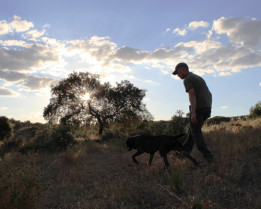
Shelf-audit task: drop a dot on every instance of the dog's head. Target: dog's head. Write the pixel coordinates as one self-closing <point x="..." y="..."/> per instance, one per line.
<point x="130" y="143"/>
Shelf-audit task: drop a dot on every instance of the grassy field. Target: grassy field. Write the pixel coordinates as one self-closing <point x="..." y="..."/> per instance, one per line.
<point x="94" y="175"/>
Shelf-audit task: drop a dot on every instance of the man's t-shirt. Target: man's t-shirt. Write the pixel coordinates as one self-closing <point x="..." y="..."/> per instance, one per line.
<point x="203" y="95"/>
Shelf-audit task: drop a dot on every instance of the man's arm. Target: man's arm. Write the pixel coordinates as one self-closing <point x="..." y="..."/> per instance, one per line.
<point x="193" y="105"/>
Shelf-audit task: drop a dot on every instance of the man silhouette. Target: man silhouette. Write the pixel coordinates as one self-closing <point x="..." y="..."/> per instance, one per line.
<point x="200" y="99"/>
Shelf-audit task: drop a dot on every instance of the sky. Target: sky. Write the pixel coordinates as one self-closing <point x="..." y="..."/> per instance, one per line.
<point x="42" y="42"/>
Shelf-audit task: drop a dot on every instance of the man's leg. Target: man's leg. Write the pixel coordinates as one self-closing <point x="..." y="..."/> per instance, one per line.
<point x="198" y="135"/>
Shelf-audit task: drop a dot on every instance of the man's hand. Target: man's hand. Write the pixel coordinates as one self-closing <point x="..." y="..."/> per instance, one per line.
<point x="194" y="118"/>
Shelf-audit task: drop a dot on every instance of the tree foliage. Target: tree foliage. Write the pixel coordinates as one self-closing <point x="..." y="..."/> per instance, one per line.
<point x="255" y="111"/>
<point x="6" y="129"/>
<point x="107" y="104"/>
<point x="177" y="123"/>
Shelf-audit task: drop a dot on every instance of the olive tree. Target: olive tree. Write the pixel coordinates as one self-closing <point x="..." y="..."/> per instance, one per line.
<point x="105" y="103"/>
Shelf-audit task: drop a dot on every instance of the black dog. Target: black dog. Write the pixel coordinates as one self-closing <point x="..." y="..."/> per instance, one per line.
<point x="161" y="143"/>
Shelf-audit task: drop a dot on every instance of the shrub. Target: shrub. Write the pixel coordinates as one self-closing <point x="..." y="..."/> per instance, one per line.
<point x="114" y="136"/>
<point x="177" y="125"/>
<point x="9" y="146"/>
<point x="6" y="129"/>
<point x="217" y="120"/>
<point x="61" y="138"/>
<point x="255" y="111"/>
<point x="54" y="140"/>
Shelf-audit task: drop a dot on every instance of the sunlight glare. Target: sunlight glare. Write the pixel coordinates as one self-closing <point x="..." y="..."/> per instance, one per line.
<point x="86" y="96"/>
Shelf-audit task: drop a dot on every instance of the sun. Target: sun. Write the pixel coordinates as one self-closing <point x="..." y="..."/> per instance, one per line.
<point x="86" y="96"/>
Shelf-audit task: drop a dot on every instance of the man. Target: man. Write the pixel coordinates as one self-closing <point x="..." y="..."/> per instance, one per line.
<point x="200" y="100"/>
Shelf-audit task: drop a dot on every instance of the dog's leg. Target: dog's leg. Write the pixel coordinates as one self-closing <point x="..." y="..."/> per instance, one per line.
<point x="150" y="160"/>
<point x="163" y="154"/>
<point x="165" y="160"/>
<point x="187" y="155"/>
<point x="139" y="152"/>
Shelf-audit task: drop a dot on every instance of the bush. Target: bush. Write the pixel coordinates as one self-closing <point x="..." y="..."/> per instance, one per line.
<point x="114" y="136"/>
<point x="9" y="146"/>
<point x="217" y="120"/>
<point x="54" y="140"/>
<point x="255" y="111"/>
<point x="177" y="125"/>
<point x="6" y="129"/>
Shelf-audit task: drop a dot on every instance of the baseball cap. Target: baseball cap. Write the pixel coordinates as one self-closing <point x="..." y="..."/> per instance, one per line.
<point x="178" y="66"/>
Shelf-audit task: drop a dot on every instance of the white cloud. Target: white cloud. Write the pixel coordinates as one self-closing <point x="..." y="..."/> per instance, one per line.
<point x="17" y="25"/>
<point x="33" y="117"/>
<point x="168" y="29"/>
<point x="165" y="72"/>
<point x="3" y="108"/>
<point x="180" y="31"/>
<point x="4" y="27"/>
<point x="118" y="68"/>
<point x="97" y="49"/>
<point x="20" y="25"/>
<point x="46" y="26"/>
<point x="146" y="100"/>
<point x="211" y="56"/>
<point x="11" y="76"/>
<point x="207" y="56"/>
<point x="224" y="107"/>
<point x="260" y="84"/>
<point x="196" y="24"/>
<point x="224" y="73"/>
<point x="35" y="33"/>
<point x="26" y="59"/>
<point x="36" y="83"/>
<point x="240" y="31"/>
<point x="4" y="92"/>
<point x="130" y="54"/>
<point x="152" y="82"/>
<point x="13" y="43"/>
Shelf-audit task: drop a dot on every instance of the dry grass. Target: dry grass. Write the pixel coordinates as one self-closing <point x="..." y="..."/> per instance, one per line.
<point x="92" y="175"/>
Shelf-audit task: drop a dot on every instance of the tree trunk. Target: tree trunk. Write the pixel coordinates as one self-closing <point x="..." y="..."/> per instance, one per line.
<point x="100" y="129"/>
